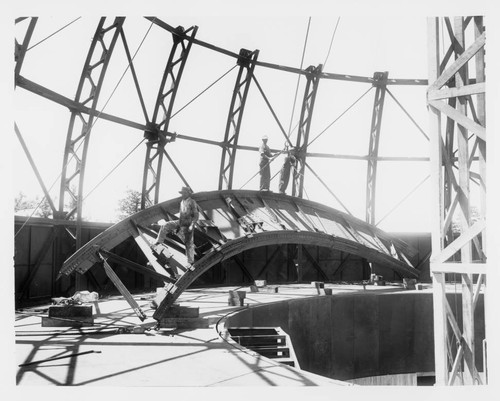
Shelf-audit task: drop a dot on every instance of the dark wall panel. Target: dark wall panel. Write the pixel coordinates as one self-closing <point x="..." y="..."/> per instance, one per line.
<point x="356" y="335"/>
<point x="342" y="336"/>
<point x="301" y="333"/>
<point x="366" y="335"/>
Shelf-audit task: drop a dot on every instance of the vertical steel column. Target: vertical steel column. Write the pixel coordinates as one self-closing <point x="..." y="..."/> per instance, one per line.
<point x="77" y="141"/>
<point x="246" y="61"/>
<point x="313" y="77"/>
<point x="157" y="133"/>
<point x="449" y="92"/>
<point x="380" y="82"/>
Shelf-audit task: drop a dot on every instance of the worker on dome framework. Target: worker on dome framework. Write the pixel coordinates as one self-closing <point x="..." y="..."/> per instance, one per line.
<point x="184" y="227"/>
<point x="266" y="157"/>
<point x="289" y="163"/>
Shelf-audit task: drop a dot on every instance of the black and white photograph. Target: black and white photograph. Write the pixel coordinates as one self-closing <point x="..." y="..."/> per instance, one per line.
<point x="224" y="198"/>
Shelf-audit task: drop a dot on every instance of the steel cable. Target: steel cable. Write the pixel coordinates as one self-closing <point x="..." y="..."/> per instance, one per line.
<point x="298" y="77"/>
<point x="59" y="30"/>
<point x="202" y="92"/>
<point x="331" y="41"/>
<point x="338" y="118"/>
<point x="113" y="169"/>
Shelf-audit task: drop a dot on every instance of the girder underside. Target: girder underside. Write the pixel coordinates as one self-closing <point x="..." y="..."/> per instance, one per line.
<point x="238" y="220"/>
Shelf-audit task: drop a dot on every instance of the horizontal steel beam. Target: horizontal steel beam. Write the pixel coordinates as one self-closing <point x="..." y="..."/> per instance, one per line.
<point x="55" y="97"/>
<point x="325" y="75"/>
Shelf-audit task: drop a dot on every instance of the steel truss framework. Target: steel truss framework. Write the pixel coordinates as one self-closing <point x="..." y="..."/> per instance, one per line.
<point x="80" y="125"/>
<point x="246" y="61"/>
<point x="84" y="112"/>
<point x="157" y="134"/>
<point x="458" y="161"/>
<point x="306" y="114"/>
<point x="380" y="82"/>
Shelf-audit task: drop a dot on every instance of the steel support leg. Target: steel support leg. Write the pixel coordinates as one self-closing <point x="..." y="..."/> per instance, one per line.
<point x="380" y="82"/>
<point x="246" y="61"/>
<point x="313" y="78"/>
<point x="157" y="134"/>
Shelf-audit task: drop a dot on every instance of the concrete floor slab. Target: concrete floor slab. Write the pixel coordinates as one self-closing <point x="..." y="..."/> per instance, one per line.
<point x="167" y="357"/>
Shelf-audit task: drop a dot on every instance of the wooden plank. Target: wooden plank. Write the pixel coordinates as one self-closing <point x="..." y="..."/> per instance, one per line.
<point x="458" y="63"/>
<point x="305" y="216"/>
<point x="453" y="321"/>
<point x="460" y="268"/>
<point x="460" y="118"/>
<point x="136" y="266"/>
<point x="366" y="158"/>
<point x="461" y="79"/>
<point x="246" y="214"/>
<point x="320" y="222"/>
<point x="481" y="116"/>
<point x="283" y="211"/>
<point x="380" y="244"/>
<point x="478" y="289"/>
<point x="364" y="239"/>
<point x="121" y="287"/>
<point x="272" y="214"/>
<point x="472" y="89"/>
<point x="449" y="215"/>
<point x="460" y="242"/>
<point x="292" y="223"/>
<point x="456" y="365"/>
<point x="145" y="247"/>
<point x="404" y="258"/>
<point x="440" y="329"/>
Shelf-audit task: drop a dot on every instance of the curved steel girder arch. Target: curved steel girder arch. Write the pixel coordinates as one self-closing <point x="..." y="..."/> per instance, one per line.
<point x="157" y="132"/>
<point x="311" y="90"/>
<point x="242" y="244"/>
<point x="380" y="81"/>
<point x="246" y="62"/>
<point x="21" y="49"/>
<point x="242" y="220"/>
<point x="73" y="143"/>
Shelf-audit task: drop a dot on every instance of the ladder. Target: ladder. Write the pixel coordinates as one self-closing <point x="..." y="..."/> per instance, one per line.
<point x="270" y="342"/>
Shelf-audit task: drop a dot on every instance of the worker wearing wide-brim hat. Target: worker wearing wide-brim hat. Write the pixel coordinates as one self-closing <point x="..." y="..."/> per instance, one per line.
<point x="264" y="164"/>
<point x="184" y="227"/>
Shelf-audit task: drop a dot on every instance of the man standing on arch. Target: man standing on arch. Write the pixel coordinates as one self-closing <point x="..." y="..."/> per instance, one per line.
<point x="184" y="227"/>
<point x="289" y="163"/>
<point x="265" y="160"/>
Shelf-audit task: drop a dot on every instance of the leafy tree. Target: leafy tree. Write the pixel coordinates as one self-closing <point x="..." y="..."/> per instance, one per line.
<point x="456" y="226"/>
<point x="22" y="203"/>
<point x="39" y="208"/>
<point x="44" y="209"/>
<point x="130" y="204"/>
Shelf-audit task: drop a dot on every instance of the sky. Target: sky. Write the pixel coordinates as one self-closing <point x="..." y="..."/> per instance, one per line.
<point x="362" y="44"/>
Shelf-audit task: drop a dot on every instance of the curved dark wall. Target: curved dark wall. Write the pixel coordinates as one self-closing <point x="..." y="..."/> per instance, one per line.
<point x="348" y="336"/>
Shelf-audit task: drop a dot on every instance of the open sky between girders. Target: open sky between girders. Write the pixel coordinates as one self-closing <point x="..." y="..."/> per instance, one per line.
<point x="360" y="46"/>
